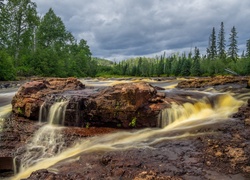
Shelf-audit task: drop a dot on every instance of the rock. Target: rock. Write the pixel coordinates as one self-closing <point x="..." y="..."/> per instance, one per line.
<point x="126" y="105"/>
<point x="215" y="81"/>
<point x="6" y="164"/>
<point x="247" y="121"/>
<point x="31" y="95"/>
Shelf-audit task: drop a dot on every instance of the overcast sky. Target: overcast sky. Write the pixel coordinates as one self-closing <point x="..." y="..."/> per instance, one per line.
<point x="118" y="29"/>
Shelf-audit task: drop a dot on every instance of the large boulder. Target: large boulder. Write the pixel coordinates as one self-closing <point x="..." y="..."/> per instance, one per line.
<point x="126" y="105"/>
<point x="123" y="105"/>
<point x="31" y="95"/>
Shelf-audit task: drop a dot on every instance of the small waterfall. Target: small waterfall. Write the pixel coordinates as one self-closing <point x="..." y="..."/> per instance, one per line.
<point x="57" y="113"/>
<point x="53" y="114"/>
<point x="42" y="112"/>
<point x="48" y="140"/>
<point x="217" y="106"/>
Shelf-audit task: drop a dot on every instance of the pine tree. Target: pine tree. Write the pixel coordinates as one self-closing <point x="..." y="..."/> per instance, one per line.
<point x="212" y="49"/>
<point x="195" y="69"/>
<point x="248" y="48"/>
<point x="233" y="46"/>
<point x="221" y="42"/>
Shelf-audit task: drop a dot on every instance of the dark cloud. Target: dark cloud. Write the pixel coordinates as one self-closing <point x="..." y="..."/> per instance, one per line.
<point x="125" y="28"/>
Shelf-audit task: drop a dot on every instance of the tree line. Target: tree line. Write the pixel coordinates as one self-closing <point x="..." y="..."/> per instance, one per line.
<point x="34" y="46"/>
<point x="218" y="57"/>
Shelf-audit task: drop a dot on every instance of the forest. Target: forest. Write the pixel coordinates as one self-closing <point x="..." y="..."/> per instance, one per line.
<point x="31" y="45"/>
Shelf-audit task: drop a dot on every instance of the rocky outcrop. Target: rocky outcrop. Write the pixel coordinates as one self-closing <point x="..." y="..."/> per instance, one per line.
<point x="215" y="81"/>
<point x="122" y="106"/>
<point x="31" y="95"/>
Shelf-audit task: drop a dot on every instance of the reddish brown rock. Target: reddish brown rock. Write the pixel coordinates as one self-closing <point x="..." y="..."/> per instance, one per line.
<point x="127" y="105"/>
<point x="31" y="95"/>
<point x="215" y="81"/>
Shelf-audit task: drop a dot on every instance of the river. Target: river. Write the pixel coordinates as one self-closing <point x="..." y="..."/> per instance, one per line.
<point x="178" y="122"/>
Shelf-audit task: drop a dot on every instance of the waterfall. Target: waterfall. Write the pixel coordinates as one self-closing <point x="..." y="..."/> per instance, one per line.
<point x="42" y="112"/>
<point x="54" y="114"/>
<point x="46" y="143"/>
<point x="206" y="110"/>
<point x="57" y="113"/>
<point x="48" y="140"/>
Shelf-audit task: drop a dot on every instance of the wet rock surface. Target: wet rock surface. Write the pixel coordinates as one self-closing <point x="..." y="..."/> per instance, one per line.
<point x="223" y="152"/>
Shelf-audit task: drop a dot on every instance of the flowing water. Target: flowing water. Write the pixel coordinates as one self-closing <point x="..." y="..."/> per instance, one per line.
<point x="48" y="140"/>
<point x="55" y="114"/>
<point x="5" y="106"/>
<point x="181" y="121"/>
<point x="4" y="113"/>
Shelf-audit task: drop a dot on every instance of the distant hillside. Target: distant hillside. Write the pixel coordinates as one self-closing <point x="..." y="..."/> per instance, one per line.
<point x="103" y="62"/>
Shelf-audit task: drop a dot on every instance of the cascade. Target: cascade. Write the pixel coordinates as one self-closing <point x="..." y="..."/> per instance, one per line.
<point x="46" y="143"/>
<point x="209" y="110"/>
<point x="213" y="107"/>
<point x="48" y="140"/>
<point x="53" y="110"/>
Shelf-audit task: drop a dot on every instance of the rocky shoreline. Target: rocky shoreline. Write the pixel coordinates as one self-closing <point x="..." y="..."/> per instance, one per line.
<point x="222" y="153"/>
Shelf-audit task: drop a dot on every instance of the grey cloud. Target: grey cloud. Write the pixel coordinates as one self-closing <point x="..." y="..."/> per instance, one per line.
<point x="128" y="28"/>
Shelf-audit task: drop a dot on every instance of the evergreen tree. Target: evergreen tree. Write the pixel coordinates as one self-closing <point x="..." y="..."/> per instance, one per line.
<point x="212" y="49"/>
<point x="221" y="42"/>
<point x="160" y="66"/>
<point x="186" y="66"/>
<point x="195" y="69"/>
<point x="139" y="67"/>
<point x="248" y="48"/>
<point x="233" y="46"/>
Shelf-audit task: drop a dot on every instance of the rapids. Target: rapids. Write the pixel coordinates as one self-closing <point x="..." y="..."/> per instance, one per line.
<point x="181" y="121"/>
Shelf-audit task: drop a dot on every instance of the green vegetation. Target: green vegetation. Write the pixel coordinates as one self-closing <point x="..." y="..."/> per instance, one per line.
<point x="41" y="46"/>
<point x="33" y="46"/>
<point x="133" y="122"/>
<point x="87" y="125"/>
<point x="213" y="63"/>
<point x="20" y="111"/>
